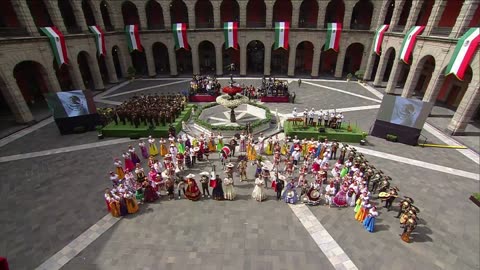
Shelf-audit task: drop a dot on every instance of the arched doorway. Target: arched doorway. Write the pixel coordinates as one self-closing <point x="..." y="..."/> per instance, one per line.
<point x="425" y="12"/>
<point x="390" y="9"/>
<point x="334" y="12"/>
<point x="279" y="64"/>
<point x="449" y="18"/>
<point x="203" y="14"/>
<point x="139" y="62"/>
<point x="8" y="20"/>
<point x="308" y="14"/>
<point x="229" y="11"/>
<point x="362" y="15"/>
<point x="160" y="56"/>
<point x="154" y="15"/>
<point x="328" y="62"/>
<point x="256" y="13"/>
<point x="32" y="80"/>
<point x="282" y="11"/>
<point x="255" y="57"/>
<point x="402" y="21"/>
<point x="69" y="18"/>
<point x="39" y="12"/>
<point x="83" y="60"/>
<point x="304" y="58"/>
<point x="63" y="76"/>
<point x="422" y="76"/>
<point x="353" y="58"/>
<point x="452" y="89"/>
<point x="206" y="56"/>
<point x="230" y="56"/>
<point x="88" y="13"/>
<point x="130" y="14"/>
<point x="178" y="12"/>
<point x="102" y="66"/>
<point x="184" y="61"/>
<point x="106" y="16"/>
<point x="390" y="54"/>
<point x="116" y="61"/>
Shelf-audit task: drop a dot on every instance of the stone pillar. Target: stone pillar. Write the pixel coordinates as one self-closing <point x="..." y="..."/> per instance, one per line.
<point x="466" y="109"/>
<point x="382" y="65"/>
<point x="269" y="11"/>
<point x="377" y="9"/>
<point x="15" y="101"/>
<point x="216" y="14"/>
<point x="76" y="75"/>
<point x="96" y="75"/>
<point x="396" y="14"/>
<point x="243" y="56"/>
<point x="295" y="13"/>
<point x="365" y="58"/>
<point x="56" y="16"/>
<point x="243" y="13"/>
<point x="435" y="15"/>
<point x="115" y="13"/>
<point x="340" y="61"/>
<point x="291" y="60"/>
<point x="394" y="75"/>
<point x="322" y="8"/>
<point x="25" y="17"/>
<point x="464" y="18"/>
<point x="316" y="60"/>
<point x="268" y="59"/>
<point x="219" y="59"/>
<point x="112" y="73"/>
<point x="97" y="14"/>
<point x="142" y="15"/>
<point x="150" y="61"/>
<point x="125" y="62"/>
<point x="369" y="67"/>
<point x="195" y="58"/>
<point x="347" y="18"/>
<point x="412" y="78"/>
<point x="52" y="81"/>
<point x="167" y="20"/>
<point x="79" y="17"/>
<point x="413" y="16"/>
<point x="172" y="60"/>
<point x="191" y="16"/>
<point x="434" y="86"/>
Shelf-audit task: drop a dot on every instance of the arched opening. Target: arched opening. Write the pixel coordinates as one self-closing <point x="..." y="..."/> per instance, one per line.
<point x="139" y="62"/>
<point x="32" y="80"/>
<point x="206" y="55"/>
<point x="6" y="111"/>
<point x="255" y="57"/>
<point x="69" y="18"/>
<point x="423" y="75"/>
<point x="353" y="58"/>
<point x="178" y="12"/>
<point x="160" y="56"/>
<point x="184" y="61"/>
<point x="116" y="61"/>
<point x="375" y="67"/>
<point x="106" y="16"/>
<point x="88" y="13"/>
<point x="229" y="11"/>
<point x="362" y="15"/>
<point x="154" y="13"/>
<point x="390" y="54"/>
<point x="63" y="76"/>
<point x="388" y="16"/>
<point x="402" y="21"/>
<point x="328" y="62"/>
<point x="452" y="90"/>
<point x="448" y="18"/>
<point x="83" y="64"/>
<point x="9" y="24"/>
<point x="304" y="58"/>
<point x="279" y="64"/>
<point x="102" y="66"/>
<point x="203" y="14"/>
<point x="308" y="14"/>
<point x="334" y="12"/>
<point x="130" y="14"/>
<point x="230" y="56"/>
<point x="425" y="12"/>
<point x="39" y="13"/>
<point x="256" y="13"/>
<point x="282" y="11"/>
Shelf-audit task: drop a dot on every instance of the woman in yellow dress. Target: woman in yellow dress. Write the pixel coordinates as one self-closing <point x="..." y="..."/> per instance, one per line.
<point x="152" y="146"/>
<point x="304" y="147"/>
<point x="252" y="155"/>
<point x="113" y="204"/>
<point x="132" y="205"/>
<point x="284" y="148"/>
<point x="163" y="147"/>
<point x="211" y="143"/>
<point x="269" y="148"/>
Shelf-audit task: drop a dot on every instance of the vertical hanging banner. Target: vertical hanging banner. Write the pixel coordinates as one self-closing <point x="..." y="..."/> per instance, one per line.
<point x="282" y="30"/>
<point x="133" y="38"/>
<point x="463" y="53"/>
<point x="378" y="40"/>
<point x="99" y="39"/>
<point x="409" y="43"/>
<point x="333" y="36"/>
<point x="57" y="41"/>
<point x="180" y="35"/>
<point x="230" y="30"/>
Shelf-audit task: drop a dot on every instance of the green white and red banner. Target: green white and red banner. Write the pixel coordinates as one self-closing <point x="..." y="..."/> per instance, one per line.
<point x="463" y="53"/>
<point x="409" y="43"/>
<point x="230" y="30"/>
<point x="133" y="38"/>
<point x="378" y="39"/>
<point x="333" y="36"/>
<point x="99" y="39"/>
<point x="282" y="30"/>
<point x="57" y="41"/>
<point x="180" y="35"/>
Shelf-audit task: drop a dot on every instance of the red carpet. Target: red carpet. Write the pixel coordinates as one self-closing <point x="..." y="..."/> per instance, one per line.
<point x="275" y="99"/>
<point x="202" y="98"/>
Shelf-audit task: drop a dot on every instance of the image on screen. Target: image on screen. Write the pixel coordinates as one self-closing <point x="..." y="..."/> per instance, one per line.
<point x="404" y="111"/>
<point x="71" y="103"/>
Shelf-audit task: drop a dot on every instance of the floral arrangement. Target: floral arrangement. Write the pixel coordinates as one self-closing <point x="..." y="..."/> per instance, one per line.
<point x="231" y="101"/>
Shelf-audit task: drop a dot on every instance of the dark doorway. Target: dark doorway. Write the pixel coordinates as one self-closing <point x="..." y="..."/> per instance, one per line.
<point x="255" y="57"/>
<point x="160" y="56"/>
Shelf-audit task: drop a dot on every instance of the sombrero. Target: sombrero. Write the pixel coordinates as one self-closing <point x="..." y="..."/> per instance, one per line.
<point x="230" y="165"/>
<point x="191" y="175"/>
<point x="204" y="173"/>
<point x="196" y="149"/>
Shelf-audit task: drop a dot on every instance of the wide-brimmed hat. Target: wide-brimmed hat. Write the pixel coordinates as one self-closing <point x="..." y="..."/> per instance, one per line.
<point x="191" y="175"/>
<point x="204" y="173"/>
<point x="230" y="165"/>
<point x="196" y="149"/>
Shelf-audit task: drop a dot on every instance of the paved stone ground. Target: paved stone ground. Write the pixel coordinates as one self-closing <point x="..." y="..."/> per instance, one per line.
<point x="48" y="201"/>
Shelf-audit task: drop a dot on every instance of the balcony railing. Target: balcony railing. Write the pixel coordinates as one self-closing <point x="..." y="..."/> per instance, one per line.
<point x="13" y="32"/>
<point x="360" y="27"/>
<point x="204" y="25"/>
<point x="398" y="28"/>
<point x="441" y="31"/>
<point x="303" y="24"/>
<point x="255" y="24"/>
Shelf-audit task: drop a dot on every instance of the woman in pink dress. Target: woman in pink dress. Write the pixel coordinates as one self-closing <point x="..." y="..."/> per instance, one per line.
<point x="128" y="162"/>
<point x="340" y="199"/>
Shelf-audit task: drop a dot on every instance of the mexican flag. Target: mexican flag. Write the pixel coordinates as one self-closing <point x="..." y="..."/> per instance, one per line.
<point x="180" y="35"/>
<point x="133" y="38"/>
<point x="409" y="43"/>
<point x="333" y="36"/>
<point x="378" y="39"/>
<point x="57" y="41"/>
<point x="230" y="30"/>
<point x="281" y="35"/>
<point x="99" y="39"/>
<point x="463" y="53"/>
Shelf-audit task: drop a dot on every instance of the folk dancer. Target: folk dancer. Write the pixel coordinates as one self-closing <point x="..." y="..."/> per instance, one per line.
<point x="119" y="168"/>
<point x="153" y="149"/>
<point x="242" y="169"/>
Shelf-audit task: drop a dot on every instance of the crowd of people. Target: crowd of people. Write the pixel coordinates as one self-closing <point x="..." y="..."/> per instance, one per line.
<point x="269" y="87"/>
<point x="204" y="84"/>
<point x="320" y="118"/>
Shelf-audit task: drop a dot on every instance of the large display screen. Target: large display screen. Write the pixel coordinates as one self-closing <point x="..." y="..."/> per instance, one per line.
<point x="404" y="111"/>
<point x="71" y="104"/>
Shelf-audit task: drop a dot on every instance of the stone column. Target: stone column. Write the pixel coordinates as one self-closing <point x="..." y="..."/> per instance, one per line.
<point x="340" y="61"/>
<point x="377" y="9"/>
<point x="269" y="17"/>
<point x="219" y="59"/>
<point x="112" y="73"/>
<point x="434" y="86"/>
<point x="195" y="58"/>
<point x="125" y="62"/>
<point x="322" y="8"/>
<point x="172" y="60"/>
<point x="79" y="17"/>
<point x="216" y="14"/>
<point x="167" y="20"/>
<point x="291" y="61"/>
<point x="396" y="14"/>
<point x="150" y="61"/>
<point x="96" y="75"/>
<point x="76" y="75"/>
<point x="15" y="101"/>
<point x="412" y="78"/>
<point x="365" y="58"/>
<point x="369" y="67"/>
<point x="394" y="76"/>
<point x="382" y="65"/>
<point x="115" y="13"/>
<point x="25" y="17"/>
<point x="95" y="6"/>
<point x="316" y="60"/>
<point x="466" y="109"/>
<point x="142" y="15"/>
<point x="243" y="55"/>
<point x="191" y="16"/>
<point x="56" y="16"/>
<point x="295" y="13"/>
<point x="413" y="16"/>
<point x="52" y="81"/>
<point x="347" y="18"/>
<point x="464" y="18"/>
<point x="243" y="13"/>
<point x="268" y="58"/>
<point x="435" y="15"/>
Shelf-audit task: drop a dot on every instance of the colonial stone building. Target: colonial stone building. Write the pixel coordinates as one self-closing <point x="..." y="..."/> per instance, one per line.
<point x="28" y="69"/>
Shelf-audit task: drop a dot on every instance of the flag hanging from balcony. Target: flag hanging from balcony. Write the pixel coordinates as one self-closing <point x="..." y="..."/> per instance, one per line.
<point x="180" y="35"/>
<point x="378" y="40"/>
<point x="230" y="30"/>
<point x="99" y="39"/>
<point x="57" y="41"/>
<point x="333" y="36"/>
<point x="281" y="35"/>
<point x="409" y="43"/>
<point x="463" y="53"/>
<point x="133" y="38"/>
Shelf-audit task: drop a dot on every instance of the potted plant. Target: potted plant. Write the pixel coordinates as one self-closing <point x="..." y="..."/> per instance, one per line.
<point x="131" y="73"/>
<point x="349" y="77"/>
<point x="359" y="74"/>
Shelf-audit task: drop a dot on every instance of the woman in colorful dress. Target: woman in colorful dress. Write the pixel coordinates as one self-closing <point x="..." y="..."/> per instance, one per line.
<point x="180" y="146"/>
<point x="128" y="162"/>
<point x="259" y="192"/>
<point x="284" y="147"/>
<point x="252" y="155"/>
<point x="132" y="205"/>
<point x="152" y="177"/>
<point x="269" y="148"/>
<point x="152" y="146"/>
<point x="340" y="198"/>
<point x="150" y="195"/>
<point x="211" y="143"/>
<point x="290" y="193"/>
<point x="118" y="168"/>
<point x="369" y="222"/>
<point x="217" y="192"/>
<point x="143" y="148"/>
<point x="188" y="157"/>
<point x="229" y="190"/>
<point x="352" y="194"/>
<point x="364" y="210"/>
<point x="220" y="143"/>
<point x="243" y="143"/>
<point x="112" y="203"/>
<point x="133" y="155"/>
<point x="192" y="191"/>
<point x="329" y="193"/>
<point x="261" y="144"/>
<point x="163" y="147"/>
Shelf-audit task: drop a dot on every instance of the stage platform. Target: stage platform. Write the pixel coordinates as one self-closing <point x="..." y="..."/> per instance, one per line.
<point x="341" y="135"/>
<point x="275" y="99"/>
<point x="202" y="98"/>
<point x="112" y="130"/>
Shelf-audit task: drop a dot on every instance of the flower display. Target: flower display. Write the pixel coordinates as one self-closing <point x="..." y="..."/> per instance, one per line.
<point x="227" y="101"/>
<point x="231" y="90"/>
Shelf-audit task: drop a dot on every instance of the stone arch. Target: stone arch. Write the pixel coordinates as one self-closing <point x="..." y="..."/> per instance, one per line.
<point x="282" y="11"/>
<point x="88" y="13"/>
<point x="304" y="58"/>
<point x="328" y="62"/>
<point x="422" y="75"/>
<point x="255" y="57"/>
<point x="308" y="14"/>
<point x="229" y="11"/>
<point x="104" y="10"/>
<point x="39" y="12"/>
<point x="32" y="80"/>
<point x="206" y="57"/>
<point x="353" y="58"/>
<point x="203" y="14"/>
<point x="229" y="56"/>
<point x="178" y="12"/>
<point x="390" y="8"/>
<point x="425" y="11"/>
<point x="154" y="13"/>
<point x="139" y="62"/>
<point x="279" y="62"/>
<point x="63" y="76"/>
<point x="449" y="90"/>
<point x="362" y="15"/>
<point x="130" y="14"/>
<point x="160" y="57"/>
<point x="256" y="13"/>
<point x="85" y="62"/>
<point x="334" y="12"/>
<point x="390" y="55"/>
<point x="449" y="17"/>
<point x="402" y="20"/>
<point x="69" y="18"/>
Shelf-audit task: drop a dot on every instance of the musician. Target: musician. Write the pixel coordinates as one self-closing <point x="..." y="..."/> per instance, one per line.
<point x="392" y="195"/>
<point x="339" y="120"/>
<point x="233" y="145"/>
<point x="242" y="169"/>
<point x="204" y="180"/>
<point x="305" y="117"/>
<point x="332" y="118"/>
<point x="410" y="225"/>
<point x="294" y="113"/>
<point x="311" y="115"/>
<point x="405" y="205"/>
<point x="325" y="118"/>
<point x="265" y="175"/>
<point x="279" y="185"/>
<point x="319" y="118"/>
